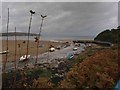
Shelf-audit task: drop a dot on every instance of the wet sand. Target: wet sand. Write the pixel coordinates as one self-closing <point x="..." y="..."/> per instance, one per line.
<point x="22" y="50"/>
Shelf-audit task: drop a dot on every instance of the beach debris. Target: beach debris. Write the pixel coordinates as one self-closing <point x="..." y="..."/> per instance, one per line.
<point x="25" y="57"/>
<point x="18" y="45"/>
<point x="23" y="41"/>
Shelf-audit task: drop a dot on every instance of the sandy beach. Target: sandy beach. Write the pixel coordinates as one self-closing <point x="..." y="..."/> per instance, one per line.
<point x="23" y="47"/>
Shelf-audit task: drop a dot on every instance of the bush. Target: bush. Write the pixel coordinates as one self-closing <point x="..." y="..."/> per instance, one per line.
<point x="97" y="71"/>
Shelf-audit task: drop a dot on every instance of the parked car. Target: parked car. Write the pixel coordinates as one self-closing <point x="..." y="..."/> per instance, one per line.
<point x="52" y="49"/>
<point x="70" y="55"/>
<point x="74" y="49"/>
<point x="58" y="47"/>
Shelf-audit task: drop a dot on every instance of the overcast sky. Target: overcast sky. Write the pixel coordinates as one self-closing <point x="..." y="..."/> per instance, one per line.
<point x="59" y="0"/>
<point x="63" y="18"/>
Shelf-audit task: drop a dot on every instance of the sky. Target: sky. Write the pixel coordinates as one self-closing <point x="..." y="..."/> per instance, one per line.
<point x="63" y="18"/>
<point x="59" y="0"/>
<point x="119" y="13"/>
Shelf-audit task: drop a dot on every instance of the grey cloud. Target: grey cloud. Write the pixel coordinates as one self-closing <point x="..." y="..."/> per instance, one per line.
<point x="64" y="18"/>
<point x="119" y="13"/>
<point x="61" y="1"/>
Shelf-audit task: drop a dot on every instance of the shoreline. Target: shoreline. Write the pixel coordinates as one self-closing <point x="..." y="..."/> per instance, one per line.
<point x="48" y="38"/>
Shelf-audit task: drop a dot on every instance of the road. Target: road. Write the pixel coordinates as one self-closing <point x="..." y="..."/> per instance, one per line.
<point x="46" y="57"/>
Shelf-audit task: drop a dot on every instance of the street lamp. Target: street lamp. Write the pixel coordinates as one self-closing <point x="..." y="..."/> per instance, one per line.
<point x="38" y="38"/>
<point x="15" y="59"/>
<point x="4" y="66"/>
<point x="31" y="12"/>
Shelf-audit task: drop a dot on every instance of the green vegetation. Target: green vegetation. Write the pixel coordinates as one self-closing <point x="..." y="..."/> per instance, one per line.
<point x="29" y="74"/>
<point x="39" y="72"/>
<point x="112" y="36"/>
<point x="79" y="59"/>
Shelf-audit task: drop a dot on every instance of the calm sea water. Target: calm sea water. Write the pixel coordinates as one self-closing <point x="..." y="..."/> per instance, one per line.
<point x="49" y="38"/>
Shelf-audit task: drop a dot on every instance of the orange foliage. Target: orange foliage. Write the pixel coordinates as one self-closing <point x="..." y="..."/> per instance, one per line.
<point x="42" y="82"/>
<point x="99" y="70"/>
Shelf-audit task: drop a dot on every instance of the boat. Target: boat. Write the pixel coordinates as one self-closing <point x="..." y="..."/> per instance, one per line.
<point x="4" y="52"/>
<point x="24" y="58"/>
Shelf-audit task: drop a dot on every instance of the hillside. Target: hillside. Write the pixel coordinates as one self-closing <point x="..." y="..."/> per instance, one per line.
<point x="98" y="71"/>
<point x="112" y="36"/>
<point x="17" y="34"/>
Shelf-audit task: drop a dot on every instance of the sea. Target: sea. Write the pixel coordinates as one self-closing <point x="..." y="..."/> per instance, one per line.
<point x="47" y="38"/>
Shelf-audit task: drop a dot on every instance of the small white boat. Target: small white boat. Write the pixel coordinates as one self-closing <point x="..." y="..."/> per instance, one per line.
<point x="25" y="57"/>
<point x="4" y="52"/>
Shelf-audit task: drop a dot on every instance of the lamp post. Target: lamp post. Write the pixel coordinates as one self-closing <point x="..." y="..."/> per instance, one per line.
<point x="38" y="38"/>
<point x="31" y="12"/>
<point x="7" y="44"/>
<point x="15" y="59"/>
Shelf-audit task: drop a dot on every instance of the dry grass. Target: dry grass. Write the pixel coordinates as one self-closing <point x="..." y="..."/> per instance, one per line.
<point x="23" y="47"/>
